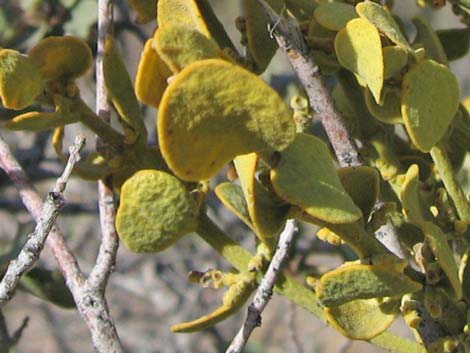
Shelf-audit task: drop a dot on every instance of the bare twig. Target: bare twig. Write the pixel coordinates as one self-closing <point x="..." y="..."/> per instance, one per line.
<point x="90" y="303"/>
<point x="35" y="243"/>
<point x="109" y="242"/>
<point x="265" y="289"/>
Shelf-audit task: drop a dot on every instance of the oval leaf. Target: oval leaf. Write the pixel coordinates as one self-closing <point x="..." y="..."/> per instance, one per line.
<point x="363" y="319"/>
<point x="395" y="60"/>
<point x="455" y="42"/>
<point x="426" y="36"/>
<point x="61" y="57"/>
<point x="155" y="211"/>
<point x="180" y="46"/>
<point x="306" y="177"/>
<point x="334" y="15"/>
<point x="181" y="12"/>
<point x="20" y="80"/>
<point x="430" y="99"/>
<point x="152" y="76"/>
<point x="390" y="110"/>
<point x="359" y="49"/>
<point x="214" y="111"/>
<point x="358" y="281"/>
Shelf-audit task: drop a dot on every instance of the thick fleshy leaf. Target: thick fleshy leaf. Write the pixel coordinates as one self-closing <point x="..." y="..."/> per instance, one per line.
<point x="444" y="256"/>
<point x="181" y="12"/>
<point x="233" y="301"/>
<point x="267" y="212"/>
<point x="20" y="80"/>
<point x="464" y="275"/>
<point x="455" y="42"/>
<point x="357" y="281"/>
<point x="214" y="111"/>
<point x="48" y="285"/>
<point x="195" y="14"/>
<point x="39" y="121"/>
<point x="430" y="99"/>
<point x="306" y="177"/>
<point x="152" y="75"/>
<point x="146" y="10"/>
<point x="426" y="36"/>
<point x="122" y="92"/>
<point x="363" y="319"/>
<point x="262" y="47"/>
<point x="390" y="110"/>
<point x="395" y="60"/>
<point x="180" y="46"/>
<point x="155" y="211"/>
<point x="334" y="15"/>
<point x="61" y="57"/>
<point x="359" y="49"/>
<point x="413" y="207"/>
<point x="233" y="198"/>
<point x="381" y="18"/>
<point x="363" y="185"/>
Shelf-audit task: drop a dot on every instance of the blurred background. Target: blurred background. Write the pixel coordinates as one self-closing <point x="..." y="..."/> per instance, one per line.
<point x="149" y="293"/>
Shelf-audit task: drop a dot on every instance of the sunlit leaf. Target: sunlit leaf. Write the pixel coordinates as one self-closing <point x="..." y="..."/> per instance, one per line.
<point x="39" y="121"/>
<point x="155" y="211"/>
<point x="390" y="110"/>
<point x="214" y="111"/>
<point x="395" y="60"/>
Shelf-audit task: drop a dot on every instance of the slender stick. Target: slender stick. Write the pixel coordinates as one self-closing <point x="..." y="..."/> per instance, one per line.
<point x="447" y="174"/>
<point x="31" y="251"/>
<point x="265" y="289"/>
<point x="107" y="209"/>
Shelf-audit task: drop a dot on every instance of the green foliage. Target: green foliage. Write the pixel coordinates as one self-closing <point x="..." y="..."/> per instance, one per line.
<point x="213" y="109"/>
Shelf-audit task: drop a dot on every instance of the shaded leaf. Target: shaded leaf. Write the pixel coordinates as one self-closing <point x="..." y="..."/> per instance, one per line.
<point x="395" y="60"/>
<point x="214" y="111"/>
<point x="48" y="285"/>
<point x="430" y="99"/>
<point x="233" y="198"/>
<point x="20" y="80"/>
<point x="455" y="42"/>
<point x="306" y="177"/>
<point x="426" y="36"/>
<point x="146" y="10"/>
<point x="390" y="110"/>
<point x="155" y="211"/>
<point x="358" y="281"/>
<point x="61" y="57"/>
<point x="334" y="15"/>
<point x="363" y="319"/>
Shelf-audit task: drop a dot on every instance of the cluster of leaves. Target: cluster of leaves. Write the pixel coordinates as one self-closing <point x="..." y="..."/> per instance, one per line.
<point x="213" y="109"/>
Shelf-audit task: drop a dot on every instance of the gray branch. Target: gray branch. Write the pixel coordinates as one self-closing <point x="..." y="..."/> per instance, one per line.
<point x="265" y="289"/>
<point x="31" y="251"/>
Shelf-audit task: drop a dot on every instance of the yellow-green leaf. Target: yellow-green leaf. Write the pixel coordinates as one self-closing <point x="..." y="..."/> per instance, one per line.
<point x="395" y="60"/>
<point x="363" y="185"/>
<point x="334" y="15"/>
<point x="306" y="177"/>
<point x="413" y="207"/>
<point x="363" y="319"/>
<point x="267" y="212"/>
<point x="358" y="281"/>
<point x="122" y="93"/>
<point x="181" y="12"/>
<point x="146" y="10"/>
<point x="20" y="80"/>
<point x="390" y="110"/>
<point x="152" y="76"/>
<point x="381" y="18"/>
<point x="214" y="111"/>
<point x="231" y="195"/>
<point x="426" y="36"/>
<point x="359" y="49"/>
<point x="261" y="46"/>
<point x="61" y="57"/>
<point x="444" y="256"/>
<point x="180" y="45"/>
<point x="430" y="99"/>
<point x="155" y="211"/>
<point x="39" y="121"/>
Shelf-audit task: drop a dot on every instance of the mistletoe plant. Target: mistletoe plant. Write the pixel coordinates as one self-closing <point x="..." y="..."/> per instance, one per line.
<point x="396" y="99"/>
